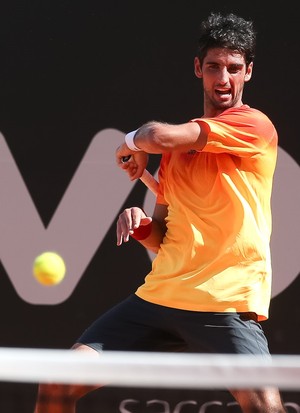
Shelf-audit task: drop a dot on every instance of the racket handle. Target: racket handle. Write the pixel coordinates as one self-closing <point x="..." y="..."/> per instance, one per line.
<point x="126" y="158"/>
<point x="147" y="179"/>
<point x="150" y="182"/>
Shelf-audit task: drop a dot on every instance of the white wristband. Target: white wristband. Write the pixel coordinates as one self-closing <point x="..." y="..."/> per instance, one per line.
<point x="129" y="140"/>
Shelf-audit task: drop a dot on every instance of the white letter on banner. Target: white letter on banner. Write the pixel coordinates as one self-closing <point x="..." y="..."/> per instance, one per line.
<point x="79" y="224"/>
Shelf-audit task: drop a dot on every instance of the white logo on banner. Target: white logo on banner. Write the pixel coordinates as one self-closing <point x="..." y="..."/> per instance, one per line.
<point x="179" y="407"/>
<point x="90" y="205"/>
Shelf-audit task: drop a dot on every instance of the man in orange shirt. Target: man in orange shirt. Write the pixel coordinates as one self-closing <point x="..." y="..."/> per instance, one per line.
<point x="210" y="283"/>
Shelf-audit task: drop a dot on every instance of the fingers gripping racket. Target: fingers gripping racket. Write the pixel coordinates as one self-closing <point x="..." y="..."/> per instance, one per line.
<point x="147" y="179"/>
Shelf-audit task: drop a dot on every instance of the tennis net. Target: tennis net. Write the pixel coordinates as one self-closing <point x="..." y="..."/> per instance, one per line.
<point x="145" y="382"/>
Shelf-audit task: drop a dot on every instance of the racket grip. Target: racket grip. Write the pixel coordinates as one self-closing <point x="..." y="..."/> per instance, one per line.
<point x="147" y="179"/>
<point x="126" y="158"/>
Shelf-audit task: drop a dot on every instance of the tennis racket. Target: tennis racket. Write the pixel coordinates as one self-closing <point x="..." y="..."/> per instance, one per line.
<point x="147" y="179"/>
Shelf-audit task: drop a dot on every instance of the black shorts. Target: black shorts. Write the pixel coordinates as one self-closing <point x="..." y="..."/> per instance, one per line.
<point x="137" y="325"/>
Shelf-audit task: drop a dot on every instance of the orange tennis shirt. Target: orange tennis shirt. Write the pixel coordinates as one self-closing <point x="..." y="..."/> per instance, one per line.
<point x="215" y="255"/>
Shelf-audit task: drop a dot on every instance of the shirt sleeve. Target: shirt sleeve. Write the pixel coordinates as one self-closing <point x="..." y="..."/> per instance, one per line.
<point x="241" y="132"/>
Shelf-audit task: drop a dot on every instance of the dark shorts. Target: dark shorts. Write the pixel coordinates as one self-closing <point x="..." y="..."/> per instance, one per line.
<point x="137" y="325"/>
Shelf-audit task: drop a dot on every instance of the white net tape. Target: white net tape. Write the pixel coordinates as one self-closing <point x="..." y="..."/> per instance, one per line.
<point x="160" y="370"/>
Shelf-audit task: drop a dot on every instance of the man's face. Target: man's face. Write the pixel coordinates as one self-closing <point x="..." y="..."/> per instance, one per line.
<point x="224" y="73"/>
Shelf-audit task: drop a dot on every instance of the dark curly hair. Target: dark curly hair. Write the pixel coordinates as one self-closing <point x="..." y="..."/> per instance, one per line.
<point x="227" y="31"/>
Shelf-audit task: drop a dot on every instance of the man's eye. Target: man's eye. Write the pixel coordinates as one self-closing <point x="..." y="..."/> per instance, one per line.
<point x="213" y="68"/>
<point x="234" y="69"/>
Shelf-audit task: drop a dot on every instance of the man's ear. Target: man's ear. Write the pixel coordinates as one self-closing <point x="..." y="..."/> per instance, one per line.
<point x="197" y="68"/>
<point x="248" y="74"/>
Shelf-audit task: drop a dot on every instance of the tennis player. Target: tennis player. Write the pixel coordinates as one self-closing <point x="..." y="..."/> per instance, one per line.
<point x="210" y="284"/>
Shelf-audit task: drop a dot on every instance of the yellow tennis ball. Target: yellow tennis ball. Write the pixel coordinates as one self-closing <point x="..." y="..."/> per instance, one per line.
<point x="49" y="268"/>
